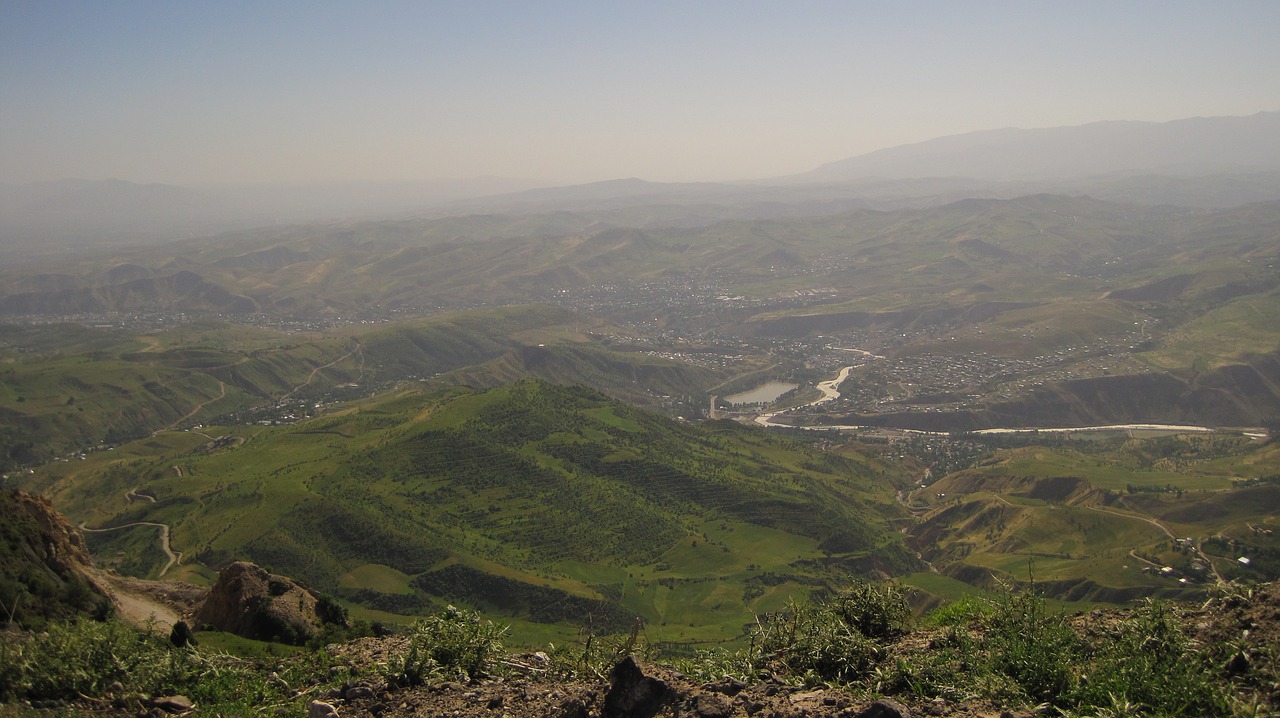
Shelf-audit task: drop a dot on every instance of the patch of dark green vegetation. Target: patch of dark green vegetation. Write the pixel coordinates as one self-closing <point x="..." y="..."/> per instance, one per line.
<point x="80" y="658"/>
<point x="542" y="603"/>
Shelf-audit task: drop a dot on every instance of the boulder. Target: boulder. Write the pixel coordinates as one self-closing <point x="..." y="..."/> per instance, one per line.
<point x="248" y="601"/>
<point x="632" y="694"/>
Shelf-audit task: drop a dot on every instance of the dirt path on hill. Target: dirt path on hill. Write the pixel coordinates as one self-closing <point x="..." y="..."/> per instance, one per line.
<point x="140" y="610"/>
<point x="151" y="604"/>
<point x="175" y="557"/>
<point x="1199" y="554"/>
<point x="222" y="393"/>
<point x="1149" y="520"/>
<point x="132" y="495"/>
<point x="311" y="377"/>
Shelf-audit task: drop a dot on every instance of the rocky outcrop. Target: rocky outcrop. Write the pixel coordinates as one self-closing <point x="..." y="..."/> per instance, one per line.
<point x="248" y="601"/>
<point x="46" y="569"/>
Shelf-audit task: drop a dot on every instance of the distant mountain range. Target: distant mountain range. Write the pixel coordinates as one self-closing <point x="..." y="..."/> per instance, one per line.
<point x="1195" y="146"/>
<point x="73" y="212"/>
<point x="1199" y="162"/>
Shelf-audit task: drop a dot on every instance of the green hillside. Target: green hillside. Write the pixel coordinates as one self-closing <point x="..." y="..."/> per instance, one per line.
<point x="1098" y="519"/>
<point x="540" y="502"/>
<point x="70" y="388"/>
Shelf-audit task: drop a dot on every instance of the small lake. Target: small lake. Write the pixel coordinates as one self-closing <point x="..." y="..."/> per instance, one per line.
<point x="763" y="394"/>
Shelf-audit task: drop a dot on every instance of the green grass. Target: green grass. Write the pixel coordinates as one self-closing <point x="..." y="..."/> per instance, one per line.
<point x="558" y="492"/>
<point x="944" y="587"/>
<point x="1228" y="334"/>
<point x="1078" y="512"/>
<point x="1115" y="471"/>
<point x="382" y="579"/>
<point x="222" y="642"/>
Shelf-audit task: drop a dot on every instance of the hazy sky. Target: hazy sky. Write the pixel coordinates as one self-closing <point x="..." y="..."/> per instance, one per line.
<point x="191" y="92"/>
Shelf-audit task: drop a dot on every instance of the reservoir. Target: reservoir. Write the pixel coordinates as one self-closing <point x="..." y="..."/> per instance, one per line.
<point x="763" y="394"/>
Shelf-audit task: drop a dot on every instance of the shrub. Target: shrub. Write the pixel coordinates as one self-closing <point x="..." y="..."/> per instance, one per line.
<point x="811" y="640"/>
<point x="876" y="610"/>
<point x="82" y="657"/>
<point x="1031" y="645"/>
<point x="960" y="612"/>
<point x="330" y="612"/>
<point x="596" y="655"/>
<point x="455" y="645"/>
<point x="1150" y="665"/>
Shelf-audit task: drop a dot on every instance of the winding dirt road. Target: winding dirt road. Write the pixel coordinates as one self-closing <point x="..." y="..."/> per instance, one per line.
<point x="311" y="377"/>
<point x="175" y="557"/>
<point x="1203" y="557"/>
<point x="222" y="393"/>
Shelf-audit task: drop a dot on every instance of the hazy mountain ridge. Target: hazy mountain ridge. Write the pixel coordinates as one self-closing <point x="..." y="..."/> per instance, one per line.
<point x="1191" y="146"/>
<point x="1203" y="162"/>
<point x="54" y="217"/>
<point x="521" y="258"/>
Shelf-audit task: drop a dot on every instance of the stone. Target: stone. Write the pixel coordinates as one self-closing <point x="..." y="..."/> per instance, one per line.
<point x="173" y="704"/>
<point x="632" y="694"/>
<point x="181" y="636"/>
<point x="710" y="705"/>
<point x="248" y="601"/>
<point x="572" y="708"/>
<point x="885" y="708"/>
<point x="319" y="709"/>
<point x="727" y="686"/>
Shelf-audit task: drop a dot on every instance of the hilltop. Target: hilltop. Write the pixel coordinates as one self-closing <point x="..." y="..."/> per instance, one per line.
<point x="856" y="653"/>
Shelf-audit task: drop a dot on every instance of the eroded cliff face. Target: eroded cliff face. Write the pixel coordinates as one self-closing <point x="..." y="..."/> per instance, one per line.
<point x="248" y="601"/>
<point x="45" y="568"/>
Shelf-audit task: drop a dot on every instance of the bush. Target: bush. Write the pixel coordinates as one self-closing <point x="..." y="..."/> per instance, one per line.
<point x="83" y="657"/>
<point x="960" y="612"/>
<point x="1150" y="665"/>
<point x="811" y="641"/>
<point x="876" y="610"/>
<point x="330" y="612"/>
<point x="1032" y="645"/>
<point x="455" y="645"/>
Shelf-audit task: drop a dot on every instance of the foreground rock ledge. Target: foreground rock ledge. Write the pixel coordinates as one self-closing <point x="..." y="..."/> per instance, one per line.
<point x="634" y="689"/>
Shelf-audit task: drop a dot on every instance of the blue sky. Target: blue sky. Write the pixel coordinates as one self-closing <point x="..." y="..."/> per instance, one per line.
<point x="198" y="92"/>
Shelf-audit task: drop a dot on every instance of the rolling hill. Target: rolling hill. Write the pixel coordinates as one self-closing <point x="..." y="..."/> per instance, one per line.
<point x="540" y="502"/>
<point x="1099" y="519"/>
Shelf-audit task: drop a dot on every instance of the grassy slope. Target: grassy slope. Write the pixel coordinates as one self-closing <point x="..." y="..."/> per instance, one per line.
<point x="68" y="387"/>
<point x="1076" y="515"/>
<point x="510" y="499"/>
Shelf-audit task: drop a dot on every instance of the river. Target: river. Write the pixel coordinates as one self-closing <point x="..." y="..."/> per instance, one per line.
<point x="830" y="392"/>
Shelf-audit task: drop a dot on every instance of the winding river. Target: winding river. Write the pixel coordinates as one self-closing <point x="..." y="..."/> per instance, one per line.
<point x="830" y="392"/>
